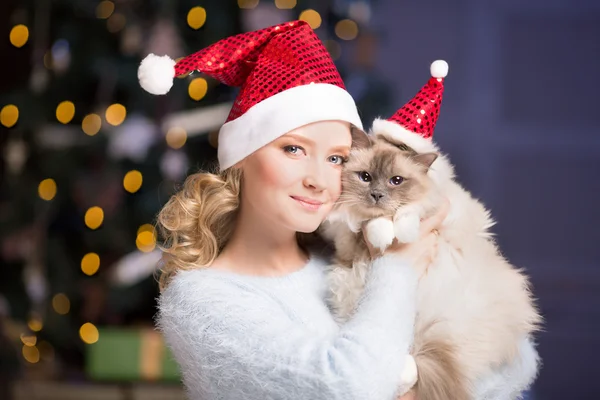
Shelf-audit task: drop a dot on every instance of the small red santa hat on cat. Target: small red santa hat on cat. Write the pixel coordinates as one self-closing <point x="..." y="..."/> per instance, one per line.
<point x="414" y="123"/>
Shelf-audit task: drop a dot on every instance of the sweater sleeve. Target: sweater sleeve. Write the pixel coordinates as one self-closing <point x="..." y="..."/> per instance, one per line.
<point x="510" y="381"/>
<point x="234" y="343"/>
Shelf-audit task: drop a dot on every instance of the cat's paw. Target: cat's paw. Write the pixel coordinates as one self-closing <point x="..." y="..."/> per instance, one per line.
<point x="380" y="233"/>
<point x="409" y="375"/>
<point x="407" y="227"/>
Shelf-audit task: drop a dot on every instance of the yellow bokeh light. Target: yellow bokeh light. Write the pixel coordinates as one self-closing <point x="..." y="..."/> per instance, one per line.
<point x="247" y="4"/>
<point x="9" y="115"/>
<point x="90" y="263"/>
<point x="146" y="238"/>
<point x="31" y="354"/>
<point x="312" y="17"/>
<point x="196" y="17"/>
<point x="285" y="4"/>
<point x="132" y="182"/>
<point x="105" y="9"/>
<point x="35" y="323"/>
<point x="19" y="35"/>
<point x="176" y="137"/>
<point x="116" y="22"/>
<point x="28" y="340"/>
<point x="198" y="88"/>
<point x="89" y="333"/>
<point x="65" y="112"/>
<point x="91" y="124"/>
<point x="61" y="304"/>
<point x="47" y="189"/>
<point x="346" y="29"/>
<point x="94" y="217"/>
<point x="115" y="114"/>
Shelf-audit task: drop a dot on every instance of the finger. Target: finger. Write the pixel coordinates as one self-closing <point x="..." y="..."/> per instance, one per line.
<point x="436" y="220"/>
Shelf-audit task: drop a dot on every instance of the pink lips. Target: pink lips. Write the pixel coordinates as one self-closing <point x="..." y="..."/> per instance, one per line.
<point x="308" y="203"/>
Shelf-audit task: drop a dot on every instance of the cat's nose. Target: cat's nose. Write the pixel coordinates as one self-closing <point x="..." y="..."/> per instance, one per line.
<point x="376" y="195"/>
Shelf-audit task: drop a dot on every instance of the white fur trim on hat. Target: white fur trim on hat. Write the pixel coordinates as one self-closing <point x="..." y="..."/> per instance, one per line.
<point x="156" y="74"/>
<point x="396" y="132"/>
<point x="280" y="114"/>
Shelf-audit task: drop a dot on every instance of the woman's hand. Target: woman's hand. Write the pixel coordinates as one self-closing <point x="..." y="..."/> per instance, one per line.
<point x="427" y="238"/>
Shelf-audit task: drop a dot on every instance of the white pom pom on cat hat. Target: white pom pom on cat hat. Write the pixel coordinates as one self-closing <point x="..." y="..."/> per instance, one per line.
<point x="414" y="123"/>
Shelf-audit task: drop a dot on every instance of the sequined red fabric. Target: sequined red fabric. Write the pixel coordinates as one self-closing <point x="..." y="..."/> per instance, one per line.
<point x="421" y="113"/>
<point x="265" y="62"/>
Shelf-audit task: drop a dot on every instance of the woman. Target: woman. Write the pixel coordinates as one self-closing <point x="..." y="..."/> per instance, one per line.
<point x="242" y="304"/>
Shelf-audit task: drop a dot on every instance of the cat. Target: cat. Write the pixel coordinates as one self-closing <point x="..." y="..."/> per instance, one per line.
<point x="473" y="306"/>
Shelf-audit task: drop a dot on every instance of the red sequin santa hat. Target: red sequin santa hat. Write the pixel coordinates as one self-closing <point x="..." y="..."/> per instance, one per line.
<point x="286" y="77"/>
<point x="414" y="123"/>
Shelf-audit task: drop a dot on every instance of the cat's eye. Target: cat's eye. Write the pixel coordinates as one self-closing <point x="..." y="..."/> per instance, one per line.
<point x="364" y="176"/>
<point x="396" y="180"/>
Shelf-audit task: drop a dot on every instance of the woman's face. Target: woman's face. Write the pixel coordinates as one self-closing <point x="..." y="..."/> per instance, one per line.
<point x="295" y="180"/>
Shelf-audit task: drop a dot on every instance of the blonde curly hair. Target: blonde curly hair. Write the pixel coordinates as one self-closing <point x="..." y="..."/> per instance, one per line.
<point x="197" y="222"/>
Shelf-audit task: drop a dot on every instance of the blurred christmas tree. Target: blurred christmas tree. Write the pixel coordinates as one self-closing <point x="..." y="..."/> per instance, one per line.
<point x="89" y="157"/>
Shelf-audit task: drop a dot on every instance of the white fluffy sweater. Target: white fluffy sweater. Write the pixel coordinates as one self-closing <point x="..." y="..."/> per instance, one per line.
<point x="239" y="337"/>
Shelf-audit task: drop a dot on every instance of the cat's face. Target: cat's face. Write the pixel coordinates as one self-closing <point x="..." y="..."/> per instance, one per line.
<point x="383" y="176"/>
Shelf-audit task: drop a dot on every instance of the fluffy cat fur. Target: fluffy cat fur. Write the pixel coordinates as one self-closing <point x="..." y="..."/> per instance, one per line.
<point x="473" y="306"/>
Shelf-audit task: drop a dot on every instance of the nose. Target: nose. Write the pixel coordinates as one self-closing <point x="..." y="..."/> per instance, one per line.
<point x="377" y="195"/>
<point x="315" y="178"/>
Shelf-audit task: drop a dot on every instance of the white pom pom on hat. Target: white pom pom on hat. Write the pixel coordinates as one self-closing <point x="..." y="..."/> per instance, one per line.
<point x="156" y="74"/>
<point x="439" y="69"/>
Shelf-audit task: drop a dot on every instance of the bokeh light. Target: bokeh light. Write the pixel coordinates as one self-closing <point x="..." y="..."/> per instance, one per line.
<point x="9" y="115"/>
<point x="196" y="17"/>
<point x="31" y="354"/>
<point x="28" y="340"/>
<point x="285" y="4"/>
<point x="91" y="124"/>
<point x="65" y="112"/>
<point x="198" y="88"/>
<point x="105" y="9"/>
<point x="247" y="4"/>
<point x="94" y="217"/>
<point x="47" y="189"/>
<point x="90" y="263"/>
<point x="19" y="35"/>
<point x="61" y="304"/>
<point x="146" y="238"/>
<point x="35" y="323"/>
<point x="346" y="29"/>
<point x="115" y="114"/>
<point x="176" y="137"/>
<point x="312" y="17"/>
<point x="89" y="333"/>
<point x="132" y="182"/>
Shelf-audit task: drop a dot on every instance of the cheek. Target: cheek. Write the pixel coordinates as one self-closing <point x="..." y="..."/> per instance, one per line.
<point x="270" y="173"/>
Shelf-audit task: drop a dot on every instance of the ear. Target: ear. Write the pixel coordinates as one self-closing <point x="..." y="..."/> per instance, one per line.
<point x="360" y="140"/>
<point x="400" y="145"/>
<point x="425" y="159"/>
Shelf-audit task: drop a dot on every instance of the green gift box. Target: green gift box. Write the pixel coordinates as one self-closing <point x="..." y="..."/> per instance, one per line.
<point x="130" y="355"/>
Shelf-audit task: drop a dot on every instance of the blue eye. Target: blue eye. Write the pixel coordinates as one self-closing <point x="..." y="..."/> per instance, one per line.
<point x="396" y="180"/>
<point x="292" y="149"/>
<point x="337" y="160"/>
<point x="364" y="176"/>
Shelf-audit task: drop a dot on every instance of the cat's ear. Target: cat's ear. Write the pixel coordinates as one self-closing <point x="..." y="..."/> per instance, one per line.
<point x="360" y="140"/>
<point x="425" y="159"/>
